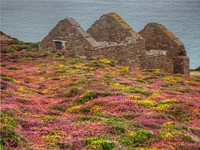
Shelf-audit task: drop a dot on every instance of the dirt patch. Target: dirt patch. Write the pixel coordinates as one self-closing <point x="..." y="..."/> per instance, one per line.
<point x="195" y="73"/>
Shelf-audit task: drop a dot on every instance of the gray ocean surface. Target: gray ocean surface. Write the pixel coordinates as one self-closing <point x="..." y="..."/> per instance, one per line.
<point x="31" y="20"/>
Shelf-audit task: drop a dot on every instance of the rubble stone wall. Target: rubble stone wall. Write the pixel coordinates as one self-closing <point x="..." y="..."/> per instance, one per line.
<point x="70" y="31"/>
<point x="158" y="37"/>
<point x="181" y="65"/>
<point x="155" y="47"/>
<point x="128" y="55"/>
<point x="163" y="63"/>
<point x="112" y="28"/>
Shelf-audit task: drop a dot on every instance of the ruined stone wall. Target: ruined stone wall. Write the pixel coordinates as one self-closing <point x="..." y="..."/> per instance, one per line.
<point x="158" y="62"/>
<point x="70" y="31"/>
<point x="157" y="36"/>
<point x="112" y="28"/>
<point x="128" y="55"/>
<point x="111" y="37"/>
<point x="181" y="65"/>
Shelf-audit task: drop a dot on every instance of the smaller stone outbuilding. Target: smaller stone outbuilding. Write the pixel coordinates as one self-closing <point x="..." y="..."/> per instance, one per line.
<point x="155" y="47"/>
<point x="158" y="37"/>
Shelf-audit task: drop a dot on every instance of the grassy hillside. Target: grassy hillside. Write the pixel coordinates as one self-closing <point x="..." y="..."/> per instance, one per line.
<point x="52" y="102"/>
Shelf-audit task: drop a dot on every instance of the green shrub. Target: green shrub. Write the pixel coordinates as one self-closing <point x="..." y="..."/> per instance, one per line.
<point x="98" y="116"/>
<point x="8" y="133"/>
<point x="111" y="121"/>
<point x="136" y="138"/>
<point x="84" y="118"/>
<point x="87" y="96"/>
<point x="47" y="120"/>
<point x="73" y="91"/>
<point x="179" y="113"/>
<point x="53" y="138"/>
<point x="14" y="68"/>
<point x="9" y="51"/>
<point x="127" y="116"/>
<point x="126" y="141"/>
<point x="106" y="61"/>
<point x="95" y="64"/>
<point x="25" y="45"/>
<point x="107" y="79"/>
<point x="73" y="61"/>
<point x="117" y="129"/>
<point x="1" y="148"/>
<point x="98" y="143"/>
<point x="63" y="69"/>
<point x="141" y="81"/>
<point x="53" y="54"/>
<point x="6" y="78"/>
<point x="9" y="136"/>
<point x="197" y="69"/>
<point x="141" y="136"/>
<point x="61" y="107"/>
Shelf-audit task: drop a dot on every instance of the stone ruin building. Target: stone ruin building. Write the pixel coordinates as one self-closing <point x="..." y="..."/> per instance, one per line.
<point x="155" y="47"/>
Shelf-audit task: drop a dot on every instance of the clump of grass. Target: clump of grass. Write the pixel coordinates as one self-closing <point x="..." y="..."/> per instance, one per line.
<point x="126" y="141"/>
<point x="25" y="45"/>
<point x="131" y="89"/>
<point x="141" y="136"/>
<point x="172" y="130"/>
<point x="8" y="134"/>
<point x="108" y="80"/>
<point x="73" y="61"/>
<point x="14" y="68"/>
<point x="98" y="116"/>
<point x="112" y="121"/>
<point x="62" y="69"/>
<point x="136" y="138"/>
<point x="87" y="96"/>
<point x="98" y="143"/>
<point x="6" y="78"/>
<point x="141" y="81"/>
<point x="52" y="113"/>
<point x="107" y="62"/>
<point x="166" y="104"/>
<point x="96" y="64"/>
<point x="47" y="120"/>
<point x="74" y="109"/>
<point x="9" y="51"/>
<point x="52" y="138"/>
<point x="117" y="129"/>
<point x="83" y="118"/>
<point x="61" y="107"/>
<point x="179" y="113"/>
<point x="73" y="91"/>
<point x="53" y="54"/>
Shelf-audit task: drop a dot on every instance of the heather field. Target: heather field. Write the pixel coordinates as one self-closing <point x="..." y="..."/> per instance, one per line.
<point x="51" y="102"/>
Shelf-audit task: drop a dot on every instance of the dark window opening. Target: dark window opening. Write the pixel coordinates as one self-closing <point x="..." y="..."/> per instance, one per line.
<point x="59" y="45"/>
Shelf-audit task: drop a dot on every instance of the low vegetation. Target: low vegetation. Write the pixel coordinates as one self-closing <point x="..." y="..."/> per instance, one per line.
<point x="53" y="102"/>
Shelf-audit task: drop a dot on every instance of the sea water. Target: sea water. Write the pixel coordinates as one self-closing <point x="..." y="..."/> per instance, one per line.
<point x="31" y="20"/>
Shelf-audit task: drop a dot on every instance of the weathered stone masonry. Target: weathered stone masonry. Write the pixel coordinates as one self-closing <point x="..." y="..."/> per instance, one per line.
<point x="111" y="37"/>
<point x="158" y="37"/>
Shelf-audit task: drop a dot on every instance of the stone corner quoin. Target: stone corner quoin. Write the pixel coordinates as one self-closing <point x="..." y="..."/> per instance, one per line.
<point x="154" y="47"/>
